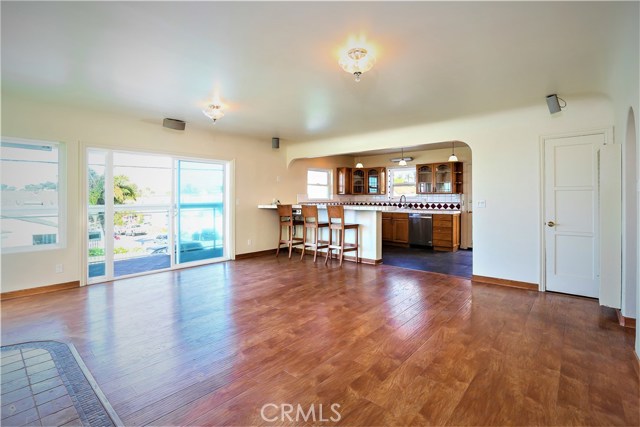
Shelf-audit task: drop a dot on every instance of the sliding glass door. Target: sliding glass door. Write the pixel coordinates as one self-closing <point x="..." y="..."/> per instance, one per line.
<point x="158" y="213"/>
<point x="200" y="211"/>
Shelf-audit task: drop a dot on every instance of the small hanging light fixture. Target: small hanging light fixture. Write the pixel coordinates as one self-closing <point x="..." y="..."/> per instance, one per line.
<point x="214" y="112"/>
<point x="402" y="161"/>
<point x="453" y="157"/>
<point x="356" y="61"/>
<point x="359" y="164"/>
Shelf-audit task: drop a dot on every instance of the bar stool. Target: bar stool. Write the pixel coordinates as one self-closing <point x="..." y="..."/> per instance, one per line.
<point x="286" y="220"/>
<point x="312" y="224"/>
<point x="336" y="222"/>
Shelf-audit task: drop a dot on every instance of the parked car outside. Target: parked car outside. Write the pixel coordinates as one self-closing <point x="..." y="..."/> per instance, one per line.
<point x="161" y="238"/>
<point x="135" y="230"/>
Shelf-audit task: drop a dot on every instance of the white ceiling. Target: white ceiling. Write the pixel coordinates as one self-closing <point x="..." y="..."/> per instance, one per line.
<point x="275" y="64"/>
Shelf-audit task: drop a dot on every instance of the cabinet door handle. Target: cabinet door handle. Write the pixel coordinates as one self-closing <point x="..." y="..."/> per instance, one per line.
<point x="551" y="224"/>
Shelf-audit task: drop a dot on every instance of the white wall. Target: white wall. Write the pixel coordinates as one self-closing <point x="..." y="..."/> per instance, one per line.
<point x="261" y="174"/>
<point x="624" y="91"/>
<point x="506" y="173"/>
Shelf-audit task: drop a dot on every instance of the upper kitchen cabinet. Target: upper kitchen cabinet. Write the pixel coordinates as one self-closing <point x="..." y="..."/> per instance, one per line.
<point x="376" y="180"/>
<point x="441" y="178"/>
<point x="343" y="181"/>
<point x="424" y="179"/>
<point x="358" y="181"/>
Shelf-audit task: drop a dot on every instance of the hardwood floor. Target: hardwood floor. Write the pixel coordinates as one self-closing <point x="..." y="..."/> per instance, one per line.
<point x="212" y="345"/>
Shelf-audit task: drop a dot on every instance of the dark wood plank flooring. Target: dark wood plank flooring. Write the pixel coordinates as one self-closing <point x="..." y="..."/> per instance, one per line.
<point x="211" y="345"/>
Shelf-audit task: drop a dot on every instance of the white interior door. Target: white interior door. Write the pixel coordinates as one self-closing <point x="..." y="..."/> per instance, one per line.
<point x="570" y="192"/>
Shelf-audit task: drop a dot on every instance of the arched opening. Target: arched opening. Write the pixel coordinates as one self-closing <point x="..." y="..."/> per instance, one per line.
<point x="428" y="224"/>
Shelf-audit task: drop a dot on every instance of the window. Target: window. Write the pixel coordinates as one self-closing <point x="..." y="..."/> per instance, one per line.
<point x="32" y="197"/>
<point x="319" y="183"/>
<point x="402" y="182"/>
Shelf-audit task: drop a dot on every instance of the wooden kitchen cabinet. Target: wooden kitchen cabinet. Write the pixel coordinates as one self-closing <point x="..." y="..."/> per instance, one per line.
<point x="395" y="228"/>
<point x="446" y="232"/>
<point x="376" y="181"/>
<point x="358" y="181"/>
<point x="440" y="178"/>
<point x="343" y="181"/>
<point x="387" y="228"/>
<point x="424" y="179"/>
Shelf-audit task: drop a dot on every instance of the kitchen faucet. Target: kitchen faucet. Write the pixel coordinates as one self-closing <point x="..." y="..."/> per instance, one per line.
<point x="403" y="201"/>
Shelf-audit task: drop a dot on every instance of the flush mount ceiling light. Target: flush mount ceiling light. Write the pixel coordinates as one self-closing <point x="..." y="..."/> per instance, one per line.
<point x="214" y="112"/>
<point x="453" y="157"/>
<point x="356" y="61"/>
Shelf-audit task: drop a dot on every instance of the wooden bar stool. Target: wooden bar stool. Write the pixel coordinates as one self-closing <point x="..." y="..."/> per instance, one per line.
<point x="336" y="222"/>
<point x="312" y="225"/>
<point x="286" y="220"/>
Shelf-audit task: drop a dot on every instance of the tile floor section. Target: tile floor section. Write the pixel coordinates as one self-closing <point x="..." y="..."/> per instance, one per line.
<point x="459" y="263"/>
<point x="33" y="392"/>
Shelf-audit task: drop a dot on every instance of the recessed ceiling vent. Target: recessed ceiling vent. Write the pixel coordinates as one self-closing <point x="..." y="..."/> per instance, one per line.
<point x="174" y="124"/>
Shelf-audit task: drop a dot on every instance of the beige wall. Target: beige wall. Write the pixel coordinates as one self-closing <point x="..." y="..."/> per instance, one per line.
<point x="261" y="174"/>
<point x="506" y="173"/>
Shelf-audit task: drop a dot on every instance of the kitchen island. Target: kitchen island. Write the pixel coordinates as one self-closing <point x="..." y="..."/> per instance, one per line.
<point x="369" y="217"/>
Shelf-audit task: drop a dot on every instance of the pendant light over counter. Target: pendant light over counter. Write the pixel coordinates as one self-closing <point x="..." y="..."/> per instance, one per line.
<point x="453" y="157"/>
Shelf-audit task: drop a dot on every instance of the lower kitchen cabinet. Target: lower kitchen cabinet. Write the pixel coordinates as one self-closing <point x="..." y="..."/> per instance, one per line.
<point x="446" y="232"/>
<point x="395" y="228"/>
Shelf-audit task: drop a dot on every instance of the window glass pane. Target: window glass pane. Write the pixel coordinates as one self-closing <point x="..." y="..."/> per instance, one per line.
<point x="318" y="192"/>
<point x="29" y="191"/>
<point x="200" y="231"/>
<point x="201" y="182"/>
<point x="141" y="179"/>
<point x="403" y="182"/>
<point x="318" y="184"/>
<point x="201" y="235"/>
<point x="140" y="241"/>
<point x="317" y="177"/>
<point x="96" y="244"/>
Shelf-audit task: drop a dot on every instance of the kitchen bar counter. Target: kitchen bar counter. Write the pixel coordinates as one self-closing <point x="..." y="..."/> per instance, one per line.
<point x="393" y="209"/>
<point x="369" y="217"/>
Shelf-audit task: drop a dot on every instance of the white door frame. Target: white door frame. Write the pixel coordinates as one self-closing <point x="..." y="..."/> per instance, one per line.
<point x="608" y="139"/>
<point x="83" y="228"/>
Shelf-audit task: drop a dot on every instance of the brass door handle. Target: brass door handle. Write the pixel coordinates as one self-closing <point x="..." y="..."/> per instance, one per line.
<point x="551" y="224"/>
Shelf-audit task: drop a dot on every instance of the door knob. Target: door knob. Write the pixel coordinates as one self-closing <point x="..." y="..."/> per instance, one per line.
<point x="551" y="224"/>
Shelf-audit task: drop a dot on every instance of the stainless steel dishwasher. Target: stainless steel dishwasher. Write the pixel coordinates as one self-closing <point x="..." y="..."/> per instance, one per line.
<point x="421" y="229"/>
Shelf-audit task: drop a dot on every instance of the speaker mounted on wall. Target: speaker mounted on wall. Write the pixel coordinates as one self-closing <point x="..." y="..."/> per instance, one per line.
<point x="553" y="102"/>
<point x="275" y="142"/>
<point x="174" y="124"/>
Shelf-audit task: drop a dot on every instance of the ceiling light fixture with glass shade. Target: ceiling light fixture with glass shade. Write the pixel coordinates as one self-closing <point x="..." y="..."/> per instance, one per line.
<point x="357" y="59"/>
<point x="453" y="157"/>
<point x="214" y="112"/>
<point x="402" y="161"/>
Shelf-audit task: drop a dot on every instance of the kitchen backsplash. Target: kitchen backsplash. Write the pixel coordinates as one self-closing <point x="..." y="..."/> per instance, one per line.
<point x="427" y="201"/>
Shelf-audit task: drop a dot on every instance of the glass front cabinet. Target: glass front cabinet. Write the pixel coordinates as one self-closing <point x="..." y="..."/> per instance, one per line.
<point x="424" y="179"/>
<point x="357" y="181"/>
<point x="439" y="178"/>
<point x="343" y="181"/>
<point x="376" y="181"/>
